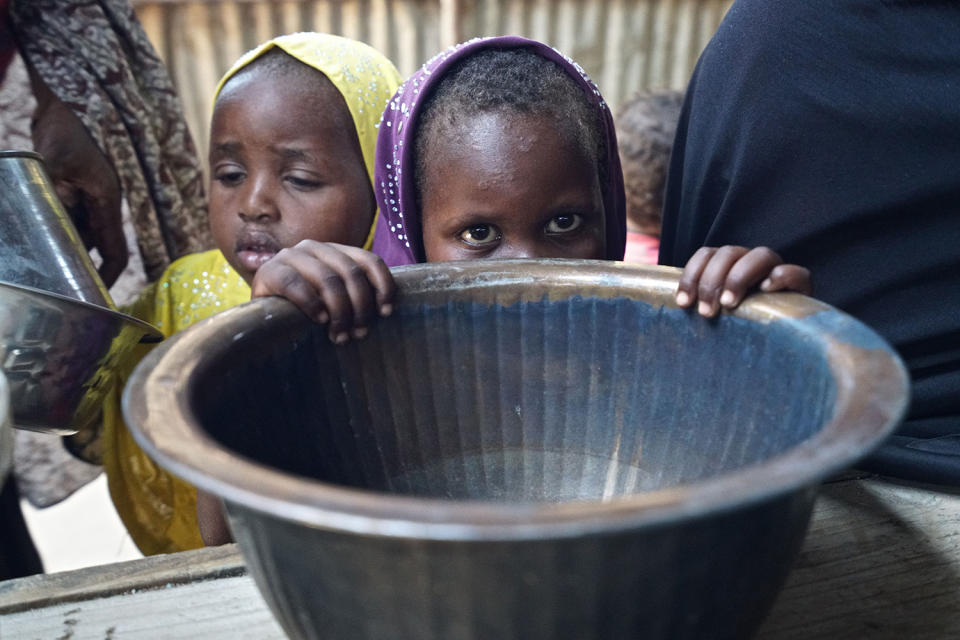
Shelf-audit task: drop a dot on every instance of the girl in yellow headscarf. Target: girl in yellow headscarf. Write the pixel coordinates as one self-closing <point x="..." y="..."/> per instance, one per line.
<point x="292" y="143"/>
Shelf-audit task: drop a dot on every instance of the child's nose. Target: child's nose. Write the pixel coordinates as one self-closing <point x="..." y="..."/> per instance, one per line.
<point x="259" y="203"/>
<point x="524" y="250"/>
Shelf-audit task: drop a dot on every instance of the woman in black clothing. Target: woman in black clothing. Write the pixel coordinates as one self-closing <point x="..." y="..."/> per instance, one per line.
<point x="830" y="132"/>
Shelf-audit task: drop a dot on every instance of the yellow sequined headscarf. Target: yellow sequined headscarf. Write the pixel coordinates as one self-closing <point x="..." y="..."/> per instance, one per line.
<point x="364" y="76"/>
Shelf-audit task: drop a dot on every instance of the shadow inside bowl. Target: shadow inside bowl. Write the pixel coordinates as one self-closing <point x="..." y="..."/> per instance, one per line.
<point x="539" y="401"/>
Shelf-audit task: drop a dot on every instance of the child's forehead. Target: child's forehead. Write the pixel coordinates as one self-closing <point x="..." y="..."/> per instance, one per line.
<point x="508" y="134"/>
<point x="511" y="131"/>
<point x="507" y="139"/>
<point x="500" y="119"/>
<point x="286" y="95"/>
<point x="253" y="80"/>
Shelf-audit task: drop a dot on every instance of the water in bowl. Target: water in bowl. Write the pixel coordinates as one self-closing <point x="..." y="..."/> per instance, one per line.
<point x="523" y="476"/>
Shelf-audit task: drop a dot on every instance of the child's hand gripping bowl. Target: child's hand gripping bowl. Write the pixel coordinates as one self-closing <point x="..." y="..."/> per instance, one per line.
<point x="722" y="277"/>
<point x="343" y="285"/>
<point x="348" y="287"/>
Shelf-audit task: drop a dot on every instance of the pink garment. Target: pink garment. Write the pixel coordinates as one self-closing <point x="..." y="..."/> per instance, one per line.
<point x="642" y="248"/>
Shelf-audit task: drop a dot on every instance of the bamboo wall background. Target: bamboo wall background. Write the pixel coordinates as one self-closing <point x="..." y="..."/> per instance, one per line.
<point x="624" y="45"/>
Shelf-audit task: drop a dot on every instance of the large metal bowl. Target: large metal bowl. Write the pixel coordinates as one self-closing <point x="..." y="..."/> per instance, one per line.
<point x="523" y="450"/>
<point x="58" y="355"/>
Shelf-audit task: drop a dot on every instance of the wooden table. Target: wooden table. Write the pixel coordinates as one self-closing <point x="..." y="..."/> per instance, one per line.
<point x="881" y="561"/>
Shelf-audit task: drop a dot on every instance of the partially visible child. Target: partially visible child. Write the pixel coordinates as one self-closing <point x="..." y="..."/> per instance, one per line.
<point x="291" y="156"/>
<point x="646" y="124"/>
<point x="497" y="148"/>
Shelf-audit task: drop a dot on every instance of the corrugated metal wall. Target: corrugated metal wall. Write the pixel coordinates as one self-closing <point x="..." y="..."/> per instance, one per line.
<point x="624" y="45"/>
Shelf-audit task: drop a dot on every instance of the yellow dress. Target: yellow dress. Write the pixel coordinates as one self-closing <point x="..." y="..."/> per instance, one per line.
<point x="158" y="509"/>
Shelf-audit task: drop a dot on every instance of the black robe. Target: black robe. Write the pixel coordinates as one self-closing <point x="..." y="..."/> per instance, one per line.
<point x="830" y="131"/>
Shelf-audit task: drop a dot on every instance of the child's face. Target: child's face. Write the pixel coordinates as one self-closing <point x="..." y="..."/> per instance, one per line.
<point x="509" y="187"/>
<point x="286" y="166"/>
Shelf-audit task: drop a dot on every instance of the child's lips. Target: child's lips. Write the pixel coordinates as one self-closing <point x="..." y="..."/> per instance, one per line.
<point x="252" y="260"/>
<point x="254" y="248"/>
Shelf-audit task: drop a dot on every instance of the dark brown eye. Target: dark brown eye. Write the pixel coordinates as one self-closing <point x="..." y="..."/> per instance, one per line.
<point x="564" y="223"/>
<point x="479" y="235"/>
<point x="229" y="177"/>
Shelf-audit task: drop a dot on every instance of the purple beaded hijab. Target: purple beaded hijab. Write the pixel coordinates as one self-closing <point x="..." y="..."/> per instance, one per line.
<point x="398" y="237"/>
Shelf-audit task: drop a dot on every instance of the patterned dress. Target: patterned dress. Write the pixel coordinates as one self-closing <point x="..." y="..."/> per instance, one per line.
<point x="95" y="57"/>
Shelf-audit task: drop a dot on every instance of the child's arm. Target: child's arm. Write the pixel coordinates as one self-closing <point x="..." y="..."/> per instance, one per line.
<point x="343" y="285"/>
<point x="212" y="521"/>
<point x="722" y="277"/>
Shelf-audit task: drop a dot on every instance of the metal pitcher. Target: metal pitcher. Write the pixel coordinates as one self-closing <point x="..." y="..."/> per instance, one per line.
<point x="39" y="245"/>
<point x="61" y="336"/>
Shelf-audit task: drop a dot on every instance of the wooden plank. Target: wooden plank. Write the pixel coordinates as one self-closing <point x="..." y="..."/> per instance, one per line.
<point x="881" y="561"/>
<point x="221" y="609"/>
<point x="123" y="577"/>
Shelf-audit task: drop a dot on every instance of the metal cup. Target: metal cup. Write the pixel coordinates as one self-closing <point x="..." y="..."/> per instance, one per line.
<point x="39" y="245"/>
<point x="61" y="336"/>
<point x="59" y="356"/>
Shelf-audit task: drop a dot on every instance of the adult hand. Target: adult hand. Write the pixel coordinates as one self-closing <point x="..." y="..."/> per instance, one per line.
<point x="722" y="277"/>
<point x="84" y="179"/>
<point x="343" y="285"/>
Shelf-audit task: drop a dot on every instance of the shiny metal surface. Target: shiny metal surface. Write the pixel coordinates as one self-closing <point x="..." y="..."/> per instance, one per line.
<point x="525" y="449"/>
<point x="58" y="354"/>
<point x="39" y="245"/>
<point x="6" y="432"/>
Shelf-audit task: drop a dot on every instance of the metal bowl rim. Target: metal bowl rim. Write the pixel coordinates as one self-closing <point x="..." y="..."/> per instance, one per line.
<point x="197" y="458"/>
<point x="16" y="153"/>
<point x="151" y="333"/>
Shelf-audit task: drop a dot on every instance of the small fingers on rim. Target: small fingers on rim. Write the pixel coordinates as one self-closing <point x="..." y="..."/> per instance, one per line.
<point x="379" y="277"/>
<point x="348" y="295"/>
<point x="687" y="287"/>
<point x="282" y="276"/>
<point x="712" y="282"/>
<point x="789" y="277"/>
<point x="749" y="270"/>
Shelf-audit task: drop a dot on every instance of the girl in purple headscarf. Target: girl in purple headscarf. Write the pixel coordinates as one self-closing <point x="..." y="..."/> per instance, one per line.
<point x="496" y="148"/>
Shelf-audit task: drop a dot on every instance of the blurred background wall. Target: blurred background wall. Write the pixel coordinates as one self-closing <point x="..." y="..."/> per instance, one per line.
<point x="624" y="45"/>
